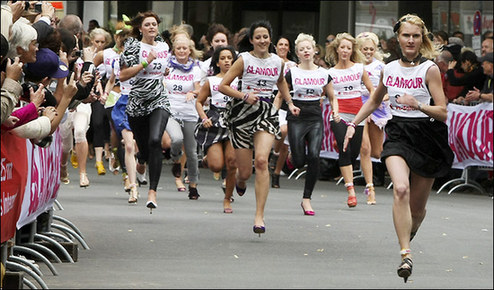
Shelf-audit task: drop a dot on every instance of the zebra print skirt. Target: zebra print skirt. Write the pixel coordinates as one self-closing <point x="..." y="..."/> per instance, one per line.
<point x="244" y="120"/>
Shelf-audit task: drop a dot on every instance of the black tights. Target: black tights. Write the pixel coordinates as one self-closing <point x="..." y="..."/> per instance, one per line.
<point x="148" y="131"/>
<point x="300" y="134"/>
<point x="350" y="155"/>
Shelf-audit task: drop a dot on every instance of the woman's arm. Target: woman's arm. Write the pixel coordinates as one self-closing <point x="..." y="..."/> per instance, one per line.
<point x="204" y="93"/>
<point x="236" y="70"/>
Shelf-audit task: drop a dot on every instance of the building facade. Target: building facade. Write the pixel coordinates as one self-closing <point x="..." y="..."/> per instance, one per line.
<point x="288" y="18"/>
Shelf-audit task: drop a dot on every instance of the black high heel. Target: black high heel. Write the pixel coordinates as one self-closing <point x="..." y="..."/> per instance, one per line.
<point x="259" y="230"/>
<point x="412" y="235"/>
<point x="275" y="181"/>
<point x="405" y="268"/>
<point x="151" y="205"/>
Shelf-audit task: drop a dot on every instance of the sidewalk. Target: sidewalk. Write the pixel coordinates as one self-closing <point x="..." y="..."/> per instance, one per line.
<point x="193" y="244"/>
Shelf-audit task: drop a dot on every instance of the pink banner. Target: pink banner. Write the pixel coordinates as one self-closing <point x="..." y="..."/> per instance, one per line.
<point x="43" y="179"/>
<point x="13" y="182"/>
<point x="328" y="148"/>
<point x="470" y="134"/>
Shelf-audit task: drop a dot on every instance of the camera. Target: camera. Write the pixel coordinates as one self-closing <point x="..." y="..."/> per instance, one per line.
<point x="27" y="5"/>
<point x="37" y="7"/>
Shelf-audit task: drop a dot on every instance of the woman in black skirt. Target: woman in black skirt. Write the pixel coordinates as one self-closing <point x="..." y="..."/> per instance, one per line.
<point x="416" y="150"/>
<point x="211" y="133"/>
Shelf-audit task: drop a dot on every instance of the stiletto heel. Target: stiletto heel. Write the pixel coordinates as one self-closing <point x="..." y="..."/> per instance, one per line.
<point x="240" y="191"/>
<point x="83" y="181"/>
<point x="275" y="181"/>
<point x="352" y="199"/>
<point x="371" y="194"/>
<point x="259" y="230"/>
<point x="151" y="204"/>
<point x="134" y="195"/>
<point x="405" y="268"/>
<point x="307" y="212"/>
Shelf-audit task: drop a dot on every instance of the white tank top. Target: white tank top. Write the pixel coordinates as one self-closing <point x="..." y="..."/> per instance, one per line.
<point x="178" y="83"/>
<point x="109" y="55"/>
<point x="157" y="67"/>
<point x="348" y="88"/>
<point x="219" y="99"/>
<point x="125" y="86"/>
<point x="308" y="84"/>
<point x="411" y="80"/>
<point x="374" y="70"/>
<point x="260" y="75"/>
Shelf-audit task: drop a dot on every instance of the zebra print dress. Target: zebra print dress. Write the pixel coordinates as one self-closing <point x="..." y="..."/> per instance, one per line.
<point x="243" y="119"/>
<point x="147" y="93"/>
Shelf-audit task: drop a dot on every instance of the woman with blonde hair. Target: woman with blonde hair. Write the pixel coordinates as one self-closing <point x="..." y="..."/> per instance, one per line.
<point x="373" y="134"/>
<point x="416" y="150"/>
<point x="309" y="82"/>
<point x="346" y="99"/>
<point x="182" y="84"/>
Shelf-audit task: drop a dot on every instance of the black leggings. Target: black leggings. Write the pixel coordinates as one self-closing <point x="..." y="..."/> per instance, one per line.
<point x="301" y="133"/>
<point x="100" y="124"/>
<point x="350" y="155"/>
<point x="148" y="131"/>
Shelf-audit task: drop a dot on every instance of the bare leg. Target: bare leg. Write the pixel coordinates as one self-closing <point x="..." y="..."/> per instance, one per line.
<point x="263" y="143"/>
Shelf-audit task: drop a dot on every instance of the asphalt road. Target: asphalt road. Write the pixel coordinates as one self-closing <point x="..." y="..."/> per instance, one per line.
<point x="193" y="244"/>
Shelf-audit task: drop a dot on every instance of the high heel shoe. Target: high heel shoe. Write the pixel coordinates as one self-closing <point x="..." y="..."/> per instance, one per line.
<point x="134" y="195"/>
<point x="275" y="181"/>
<point x="307" y="212"/>
<point x="73" y="159"/>
<point x="352" y="199"/>
<point x="193" y="194"/>
<point x="83" y="181"/>
<point x="371" y="194"/>
<point x="141" y="177"/>
<point x="100" y="168"/>
<point x="151" y="205"/>
<point x="405" y="268"/>
<point x="180" y="186"/>
<point x="240" y="191"/>
<point x="64" y="175"/>
<point x="259" y="230"/>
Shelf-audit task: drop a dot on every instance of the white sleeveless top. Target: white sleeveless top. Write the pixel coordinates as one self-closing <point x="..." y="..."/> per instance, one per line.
<point x="347" y="87"/>
<point x="308" y="85"/>
<point x="218" y="99"/>
<point x="411" y="80"/>
<point x="157" y="67"/>
<point x="178" y="83"/>
<point x="125" y="86"/>
<point x="260" y="75"/>
<point x="109" y="56"/>
<point x="374" y="70"/>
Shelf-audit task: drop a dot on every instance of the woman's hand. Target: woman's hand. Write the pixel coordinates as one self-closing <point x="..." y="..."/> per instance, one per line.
<point x="336" y="117"/>
<point x="207" y="123"/>
<point x="294" y="109"/>
<point x="409" y="100"/>
<point x="350" y="130"/>
<point x="252" y="98"/>
<point x="452" y="64"/>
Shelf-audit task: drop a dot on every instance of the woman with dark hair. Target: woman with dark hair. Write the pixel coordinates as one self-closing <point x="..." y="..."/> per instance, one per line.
<point x="473" y="76"/>
<point x="146" y="57"/>
<point x="252" y="116"/>
<point x="280" y="150"/>
<point x="211" y="132"/>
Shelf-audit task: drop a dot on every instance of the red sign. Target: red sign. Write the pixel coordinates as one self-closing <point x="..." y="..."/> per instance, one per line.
<point x="14" y="169"/>
<point x="477" y="23"/>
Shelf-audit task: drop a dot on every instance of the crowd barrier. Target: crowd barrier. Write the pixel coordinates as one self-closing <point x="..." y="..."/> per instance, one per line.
<point x="470" y="137"/>
<point x="30" y="183"/>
